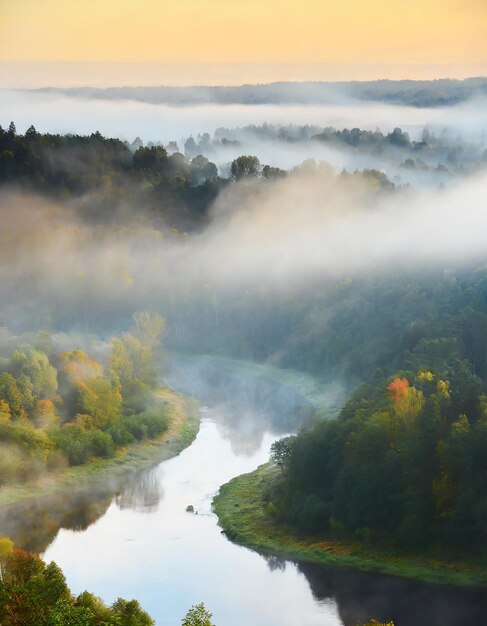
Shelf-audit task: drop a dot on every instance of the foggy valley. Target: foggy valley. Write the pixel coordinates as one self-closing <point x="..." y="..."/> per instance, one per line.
<point x="243" y="326"/>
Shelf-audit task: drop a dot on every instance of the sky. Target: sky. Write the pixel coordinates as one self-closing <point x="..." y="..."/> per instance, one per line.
<point x="232" y="41"/>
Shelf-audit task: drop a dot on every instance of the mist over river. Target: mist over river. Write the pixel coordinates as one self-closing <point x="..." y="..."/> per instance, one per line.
<point x="137" y="540"/>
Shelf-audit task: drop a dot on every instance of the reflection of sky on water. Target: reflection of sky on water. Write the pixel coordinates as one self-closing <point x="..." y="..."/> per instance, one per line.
<point x="145" y="545"/>
<point x="170" y="559"/>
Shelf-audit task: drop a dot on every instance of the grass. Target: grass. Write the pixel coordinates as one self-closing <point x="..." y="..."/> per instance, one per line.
<point x="242" y="513"/>
<point x="183" y="428"/>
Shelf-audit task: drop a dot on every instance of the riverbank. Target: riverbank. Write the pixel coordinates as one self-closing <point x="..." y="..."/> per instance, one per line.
<point x="183" y="427"/>
<point x="243" y="514"/>
<point x="325" y="397"/>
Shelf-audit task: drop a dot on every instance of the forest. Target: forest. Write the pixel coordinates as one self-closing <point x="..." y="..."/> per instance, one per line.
<point x="112" y="179"/>
<point x="243" y="313"/>
<point x="420" y="93"/>
<point x="404" y="463"/>
<point x="63" y="408"/>
<point x="112" y="172"/>
<point x="194" y="237"/>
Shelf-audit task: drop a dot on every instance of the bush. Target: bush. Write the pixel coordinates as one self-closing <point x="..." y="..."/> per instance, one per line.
<point x="79" y="445"/>
<point x="32" y="592"/>
<point x="26" y="437"/>
<point x="101" y="443"/>
<point x="155" y="421"/>
<point x="121" y="435"/>
<point x="135" y="427"/>
<point x="147" y="424"/>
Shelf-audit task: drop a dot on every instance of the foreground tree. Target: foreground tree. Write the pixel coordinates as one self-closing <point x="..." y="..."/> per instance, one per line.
<point x="33" y="593"/>
<point x="198" y="616"/>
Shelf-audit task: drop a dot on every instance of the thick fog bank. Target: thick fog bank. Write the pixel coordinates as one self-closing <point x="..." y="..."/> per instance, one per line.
<point x="310" y="228"/>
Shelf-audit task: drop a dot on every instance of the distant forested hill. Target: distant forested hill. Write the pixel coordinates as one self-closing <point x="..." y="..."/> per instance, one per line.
<point x="428" y="93"/>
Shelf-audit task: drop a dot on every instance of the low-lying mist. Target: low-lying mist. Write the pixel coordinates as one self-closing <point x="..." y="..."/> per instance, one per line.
<point x="126" y="118"/>
<point x="280" y="134"/>
<point x="312" y="227"/>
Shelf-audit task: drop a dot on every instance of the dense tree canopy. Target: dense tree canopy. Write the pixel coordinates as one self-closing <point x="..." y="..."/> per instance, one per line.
<point x="115" y="173"/>
<point x="67" y="407"/>
<point x="405" y="461"/>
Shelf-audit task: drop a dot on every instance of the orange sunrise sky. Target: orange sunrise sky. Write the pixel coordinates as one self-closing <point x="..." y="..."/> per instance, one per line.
<point x="234" y="41"/>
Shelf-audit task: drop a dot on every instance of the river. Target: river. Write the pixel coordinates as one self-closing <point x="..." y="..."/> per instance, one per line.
<point x="137" y="540"/>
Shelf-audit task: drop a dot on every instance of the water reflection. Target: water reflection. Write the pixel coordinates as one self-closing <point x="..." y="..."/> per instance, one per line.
<point x="141" y="492"/>
<point x="34" y="524"/>
<point x="178" y="559"/>
<point x="244" y="408"/>
<point x="360" y="596"/>
<point x="275" y="563"/>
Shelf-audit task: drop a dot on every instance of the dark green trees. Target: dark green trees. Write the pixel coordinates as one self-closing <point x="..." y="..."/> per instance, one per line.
<point x="33" y="592"/>
<point x="245" y="167"/>
<point x="404" y="462"/>
<point x="281" y="451"/>
<point x="113" y="172"/>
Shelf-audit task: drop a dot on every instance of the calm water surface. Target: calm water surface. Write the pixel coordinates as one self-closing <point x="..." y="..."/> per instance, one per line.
<point x="140" y="541"/>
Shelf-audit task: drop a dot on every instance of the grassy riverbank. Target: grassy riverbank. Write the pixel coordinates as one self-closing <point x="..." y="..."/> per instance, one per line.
<point x="183" y="427"/>
<point x="325" y="398"/>
<point x="243" y="514"/>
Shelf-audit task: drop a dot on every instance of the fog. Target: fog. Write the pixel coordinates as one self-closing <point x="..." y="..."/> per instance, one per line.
<point x="127" y="119"/>
<point x="62" y="268"/>
<point x="276" y="235"/>
<point x="289" y="270"/>
<point x="462" y="129"/>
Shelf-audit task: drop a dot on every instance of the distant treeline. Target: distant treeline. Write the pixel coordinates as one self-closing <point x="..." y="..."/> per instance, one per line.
<point x="443" y="151"/>
<point x="427" y="93"/>
<point x="116" y="180"/>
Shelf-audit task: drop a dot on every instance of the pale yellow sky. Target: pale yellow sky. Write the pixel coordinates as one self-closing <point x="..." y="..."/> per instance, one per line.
<point x="351" y="38"/>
